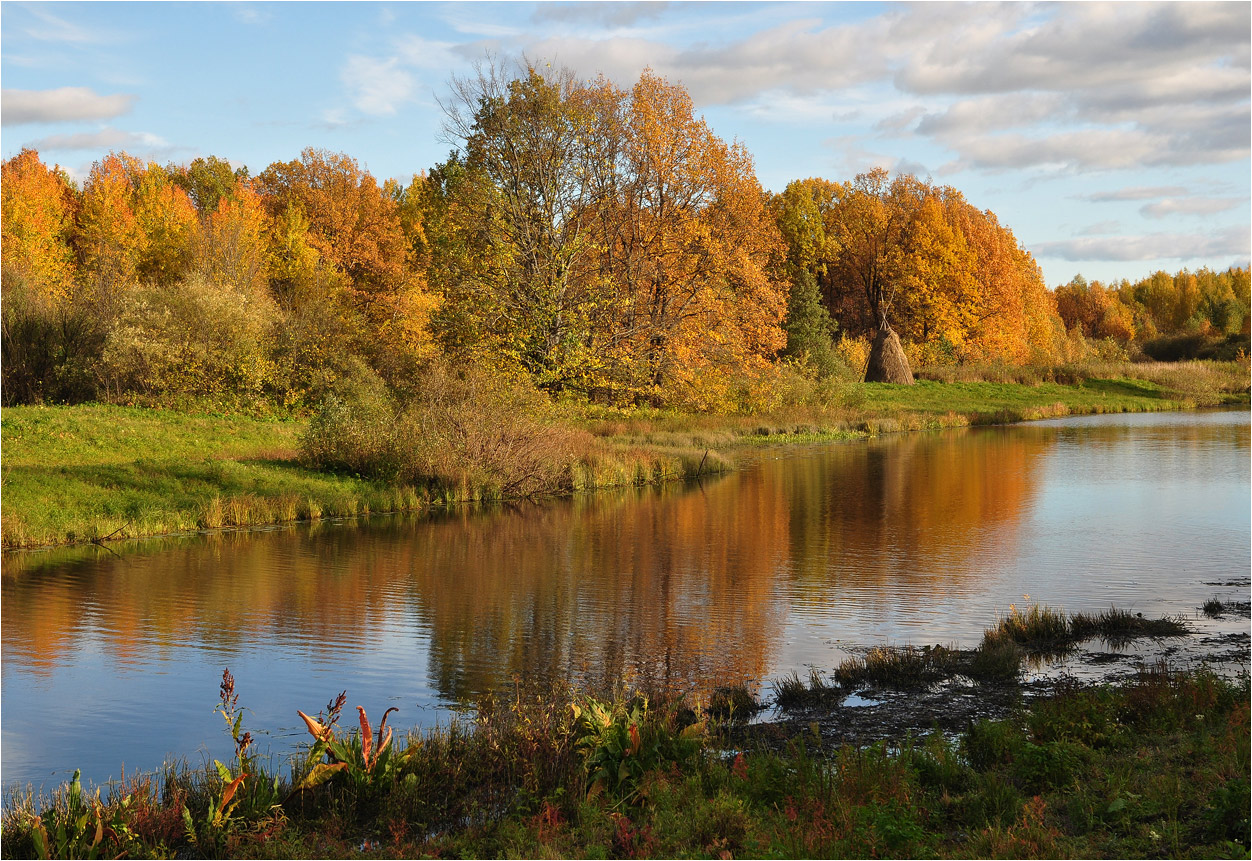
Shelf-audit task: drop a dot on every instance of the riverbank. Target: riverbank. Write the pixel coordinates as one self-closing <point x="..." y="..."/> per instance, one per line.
<point x="1154" y="764"/>
<point x="97" y="473"/>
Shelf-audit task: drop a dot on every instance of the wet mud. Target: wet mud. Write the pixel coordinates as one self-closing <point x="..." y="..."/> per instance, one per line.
<point x="878" y="713"/>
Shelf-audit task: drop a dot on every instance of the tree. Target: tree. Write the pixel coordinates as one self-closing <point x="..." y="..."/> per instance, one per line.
<point x="233" y="248"/>
<point x="354" y="227"/>
<point x="108" y="236"/>
<point x="207" y="181"/>
<point x="603" y="239"/>
<point x="871" y="223"/>
<point x="522" y="201"/>
<point x="688" y="247"/>
<point x="167" y="220"/>
<point x="36" y="222"/>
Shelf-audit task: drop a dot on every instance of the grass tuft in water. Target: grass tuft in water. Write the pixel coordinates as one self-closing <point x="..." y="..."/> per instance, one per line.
<point x="898" y="667"/>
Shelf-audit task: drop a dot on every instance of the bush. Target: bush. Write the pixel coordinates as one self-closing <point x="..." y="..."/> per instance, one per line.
<point x="466" y="433"/>
<point x="192" y="339"/>
<point x="48" y="352"/>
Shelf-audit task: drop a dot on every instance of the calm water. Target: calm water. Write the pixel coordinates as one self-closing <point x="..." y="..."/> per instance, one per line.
<point x="112" y="660"/>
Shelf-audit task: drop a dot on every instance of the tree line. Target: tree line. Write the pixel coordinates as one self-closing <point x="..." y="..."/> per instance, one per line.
<point x="599" y="242"/>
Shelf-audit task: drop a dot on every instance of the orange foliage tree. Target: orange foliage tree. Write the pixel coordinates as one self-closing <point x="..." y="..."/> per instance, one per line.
<point x="902" y="252"/>
<point x="36" y="221"/>
<point x="354" y="228"/>
<point x="687" y="244"/>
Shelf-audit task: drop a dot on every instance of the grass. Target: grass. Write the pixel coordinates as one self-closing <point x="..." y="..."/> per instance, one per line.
<point x="902" y="667"/>
<point x="92" y="472"/>
<point x="1043" y="630"/>
<point x="1155" y="766"/>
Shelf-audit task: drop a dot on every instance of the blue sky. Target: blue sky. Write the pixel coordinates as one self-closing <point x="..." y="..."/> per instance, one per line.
<point x="1113" y="139"/>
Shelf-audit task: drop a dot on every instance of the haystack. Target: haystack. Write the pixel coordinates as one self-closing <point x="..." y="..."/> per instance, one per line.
<point x="887" y="362"/>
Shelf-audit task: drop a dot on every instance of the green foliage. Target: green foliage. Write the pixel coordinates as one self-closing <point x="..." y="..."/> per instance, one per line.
<point x="810" y="329"/>
<point x="621" y="742"/>
<point x="74" y="830"/>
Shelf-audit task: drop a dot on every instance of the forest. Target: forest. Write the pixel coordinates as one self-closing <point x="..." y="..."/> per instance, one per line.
<point x="584" y="242"/>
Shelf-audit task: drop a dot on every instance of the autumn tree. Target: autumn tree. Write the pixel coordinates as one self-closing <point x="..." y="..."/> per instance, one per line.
<point x="515" y="217"/>
<point x="353" y="246"/>
<point x="233" y="246"/>
<point x="603" y="239"/>
<point x="37" y="223"/>
<point x="49" y="342"/>
<point x="687" y="247"/>
<point x="108" y="237"/>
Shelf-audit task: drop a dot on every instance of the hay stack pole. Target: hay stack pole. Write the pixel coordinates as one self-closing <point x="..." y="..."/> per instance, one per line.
<point x="887" y="362"/>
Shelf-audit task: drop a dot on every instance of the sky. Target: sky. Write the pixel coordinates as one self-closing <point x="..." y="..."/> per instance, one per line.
<point x="1113" y="139"/>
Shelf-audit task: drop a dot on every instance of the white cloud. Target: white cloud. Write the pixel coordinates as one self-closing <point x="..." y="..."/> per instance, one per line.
<point x="104" y="139"/>
<point x="1152" y="246"/>
<point x="252" y="15"/>
<point x="378" y="87"/>
<point x="1138" y="192"/>
<point x="1188" y="206"/>
<point x="66" y="104"/>
<point x="607" y="14"/>
<point x="425" y="53"/>
<point x="1101" y="228"/>
<point x="51" y="28"/>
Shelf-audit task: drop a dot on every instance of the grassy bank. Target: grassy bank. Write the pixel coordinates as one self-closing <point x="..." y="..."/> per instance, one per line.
<point x="93" y="472"/>
<point x="1155" y="766"/>
<point x="90" y="473"/>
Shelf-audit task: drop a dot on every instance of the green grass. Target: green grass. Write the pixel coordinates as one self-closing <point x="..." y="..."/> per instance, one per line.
<point x="1157" y="766"/>
<point x="91" y="472"/>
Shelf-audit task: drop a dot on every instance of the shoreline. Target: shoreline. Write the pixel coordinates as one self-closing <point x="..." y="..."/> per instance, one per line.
<point x="1042" y="771"/>
<point x="251" y="477"/>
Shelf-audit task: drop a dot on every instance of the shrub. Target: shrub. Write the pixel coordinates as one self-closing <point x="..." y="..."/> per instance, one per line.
<point x="48" y="351"/>
<point x="191" y="339"/>
<point x="466" y="433"/>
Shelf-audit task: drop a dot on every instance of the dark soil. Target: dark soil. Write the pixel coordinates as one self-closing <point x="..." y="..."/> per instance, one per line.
<point x="872" y="714"/>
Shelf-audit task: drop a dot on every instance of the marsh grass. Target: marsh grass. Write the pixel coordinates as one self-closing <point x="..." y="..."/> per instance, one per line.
<point x="792" y="692"/>
<point x="1117" y="627"/>
<point x="1036" y="633"/>
<point x="1046" y="631"/>
<point x="898" y="667"/>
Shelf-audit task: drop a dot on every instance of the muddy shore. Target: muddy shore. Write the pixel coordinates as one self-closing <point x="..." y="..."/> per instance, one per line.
<point x="874" y="713"/>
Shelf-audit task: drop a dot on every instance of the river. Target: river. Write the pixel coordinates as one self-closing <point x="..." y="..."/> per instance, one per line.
<point x="112" y="657"/>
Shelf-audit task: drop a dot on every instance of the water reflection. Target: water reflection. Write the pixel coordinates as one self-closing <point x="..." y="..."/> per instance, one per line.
<point x="734" y="579"/>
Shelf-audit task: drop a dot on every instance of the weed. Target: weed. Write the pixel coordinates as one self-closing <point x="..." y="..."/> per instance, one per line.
<point x="898" y="667"/>
<point x="732" y="702"/>
<point x="790" y="692"/>
<point x="367" y="764"/>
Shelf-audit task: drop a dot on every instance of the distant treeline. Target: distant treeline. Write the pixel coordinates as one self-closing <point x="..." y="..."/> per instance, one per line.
<point x="595" y="242"/>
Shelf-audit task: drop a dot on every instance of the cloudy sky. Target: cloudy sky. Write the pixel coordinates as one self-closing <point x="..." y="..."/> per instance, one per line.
<point x="1113" y="139"/>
